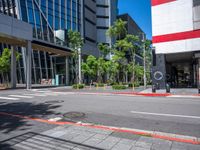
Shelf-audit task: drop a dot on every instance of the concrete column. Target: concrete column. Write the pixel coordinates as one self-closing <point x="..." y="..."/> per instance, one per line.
<point x="13" y="67"/>
<point x="67" y="70"/>
<point x="28" y="65"/>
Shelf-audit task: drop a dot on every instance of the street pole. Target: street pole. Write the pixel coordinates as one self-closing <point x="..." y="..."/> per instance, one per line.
<point x="144" y="61"/>
<point x="79" y="65"/>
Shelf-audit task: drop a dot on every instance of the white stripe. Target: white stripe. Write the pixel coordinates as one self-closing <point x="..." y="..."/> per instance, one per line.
<point x="35" y="94"/>
<point x="183" y="96"/>
<point x="21" y="96"/>
<point x="9" y="98"/>
<point x="166" y="115"/>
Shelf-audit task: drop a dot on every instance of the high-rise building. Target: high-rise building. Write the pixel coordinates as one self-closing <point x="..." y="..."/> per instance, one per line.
<point x="133" y="28"/>
<point x="176" y="39"/>
<point x="50" y="20"/>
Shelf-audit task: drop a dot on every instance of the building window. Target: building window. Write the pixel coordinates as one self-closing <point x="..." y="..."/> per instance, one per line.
<point x="196" y="3"/>
<point x="196" y="14"/>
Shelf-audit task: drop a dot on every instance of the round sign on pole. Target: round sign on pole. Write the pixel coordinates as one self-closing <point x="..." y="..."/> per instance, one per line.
<point x="158" y="75"/>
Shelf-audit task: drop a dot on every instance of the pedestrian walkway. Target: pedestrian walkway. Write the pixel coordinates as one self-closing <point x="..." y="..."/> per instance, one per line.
<point x="69" y="137"/>
<point x="33" y="94"/>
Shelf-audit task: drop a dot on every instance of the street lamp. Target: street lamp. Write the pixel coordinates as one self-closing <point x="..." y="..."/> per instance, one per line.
<point x="144" y="60"/>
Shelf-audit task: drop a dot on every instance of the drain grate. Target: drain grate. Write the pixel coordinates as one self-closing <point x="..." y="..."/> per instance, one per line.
<point x="54" y="102"/>
<point x="74" y="115"/>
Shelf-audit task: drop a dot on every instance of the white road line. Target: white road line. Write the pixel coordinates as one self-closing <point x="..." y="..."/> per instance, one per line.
<point x="183" y="96"/>
<point x="21" y="96"/>
<point x="9" y="98"/>
<point x="166" y="115"/>
<point x="43" y="95"/>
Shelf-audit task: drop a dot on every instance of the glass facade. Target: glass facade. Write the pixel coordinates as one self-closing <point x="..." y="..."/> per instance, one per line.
<point x="48" y="18"/>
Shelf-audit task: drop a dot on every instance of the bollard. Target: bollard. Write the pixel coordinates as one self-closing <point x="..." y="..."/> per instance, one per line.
<point x="153" y="89"/>
<point x="167" y="88"/>
<point x="157" y="86"/>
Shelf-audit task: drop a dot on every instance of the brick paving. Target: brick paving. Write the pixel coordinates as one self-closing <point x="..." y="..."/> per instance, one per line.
<point x="84" y="138"/>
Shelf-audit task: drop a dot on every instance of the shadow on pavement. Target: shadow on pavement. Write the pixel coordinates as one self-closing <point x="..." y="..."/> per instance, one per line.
<point x="9" y="123"/>
<point x="31" y="140"/>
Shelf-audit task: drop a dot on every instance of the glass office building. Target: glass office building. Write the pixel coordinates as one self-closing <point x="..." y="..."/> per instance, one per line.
<point x="50" y="20"/>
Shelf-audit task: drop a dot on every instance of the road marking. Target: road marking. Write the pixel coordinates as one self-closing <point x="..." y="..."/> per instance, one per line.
<point x="183" y="96"/>
<point x="166" y="115"/>
<point x="21" y="96"/>
<point x="35" y="94"/>
<point x="9" y="98"/>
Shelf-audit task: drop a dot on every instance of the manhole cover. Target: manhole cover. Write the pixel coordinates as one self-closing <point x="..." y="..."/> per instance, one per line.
<point x="74" y="115"/>
<point x="54" y="102"/>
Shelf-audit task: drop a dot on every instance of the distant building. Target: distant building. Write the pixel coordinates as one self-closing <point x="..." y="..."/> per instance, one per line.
<point x="176" y="38"/>
<point x="133" y="28"/>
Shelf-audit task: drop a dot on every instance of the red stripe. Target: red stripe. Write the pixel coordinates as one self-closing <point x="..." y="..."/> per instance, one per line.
<point x="159" y="2"/>
<point x="143" y="133"/>
<point x="176" y="36"/>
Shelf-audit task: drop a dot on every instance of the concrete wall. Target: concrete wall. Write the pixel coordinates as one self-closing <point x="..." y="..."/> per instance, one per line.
<point x="15" y="28"/>
<point x="173" y="27"/>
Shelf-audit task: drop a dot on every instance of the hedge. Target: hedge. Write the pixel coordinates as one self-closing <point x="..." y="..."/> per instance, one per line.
<point x="78" y="86"/>
<point x="119" y="87"/>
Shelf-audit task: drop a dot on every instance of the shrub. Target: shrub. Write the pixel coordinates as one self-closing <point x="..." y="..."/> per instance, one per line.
<point x="78" y="86"/>
<point x="119" y="87"/>
<point x="136" y="84"/>
<point x="99" y="85"/>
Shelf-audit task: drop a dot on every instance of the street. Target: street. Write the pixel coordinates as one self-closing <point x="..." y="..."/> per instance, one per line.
<point x="170" y="115"/>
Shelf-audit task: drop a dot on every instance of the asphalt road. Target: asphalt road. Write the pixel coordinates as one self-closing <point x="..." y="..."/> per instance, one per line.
<point x="171" y="115"/>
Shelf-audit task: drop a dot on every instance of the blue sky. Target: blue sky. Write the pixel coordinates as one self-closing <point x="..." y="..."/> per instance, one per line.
<point x="140" y="11"/>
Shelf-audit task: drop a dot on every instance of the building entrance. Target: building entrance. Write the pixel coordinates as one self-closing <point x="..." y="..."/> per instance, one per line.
<point x="181" y="71"/>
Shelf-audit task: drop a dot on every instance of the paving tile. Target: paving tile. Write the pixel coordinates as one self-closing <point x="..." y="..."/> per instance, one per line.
<point x="127" y="141"/>
<point x="69" y="136"/>
<point x="121" y="146"/>
<point x="125" y="135"/>
<point x="108" y="143"/>
<point x="140" y="148"/>
<point x="146" y="139"/>
<point x="143" y="144"/>
<point x="161" y="144"/>
<point x="92" y="141"/>
<point x="81" y="138"/>
<point x="184" y="146"/>
<point x="100" y="136"/>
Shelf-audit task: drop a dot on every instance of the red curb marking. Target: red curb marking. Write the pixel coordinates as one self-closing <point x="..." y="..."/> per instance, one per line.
<point x="146" y="94"/>
<point x="106" y="128"/>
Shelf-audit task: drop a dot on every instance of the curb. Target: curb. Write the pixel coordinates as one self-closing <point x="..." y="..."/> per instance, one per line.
<point x="154" y="134"/>
<point x="140" y="94"/>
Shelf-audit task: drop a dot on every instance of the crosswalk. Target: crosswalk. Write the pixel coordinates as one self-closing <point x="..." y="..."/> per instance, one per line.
<point x="33" y="94"/>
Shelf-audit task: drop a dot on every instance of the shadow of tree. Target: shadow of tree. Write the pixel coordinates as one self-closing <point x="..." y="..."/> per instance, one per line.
<point x="35" y="110"/>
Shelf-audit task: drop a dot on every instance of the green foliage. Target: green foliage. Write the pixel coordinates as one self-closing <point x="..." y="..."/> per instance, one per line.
<point x="78" y="86"/>
<point x="5" y="60"/>
<point x="118" y="29"/>
<point x="75" y="43"/>
<point x="136" y="84"/>
<point x="75" y="40"/>
<point x="99" y="85"/>
<point x="119" y="87"/>
<point x="104" y="49"/>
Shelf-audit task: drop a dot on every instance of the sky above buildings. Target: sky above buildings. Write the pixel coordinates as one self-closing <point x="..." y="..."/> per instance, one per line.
<point x="140" y="11"/>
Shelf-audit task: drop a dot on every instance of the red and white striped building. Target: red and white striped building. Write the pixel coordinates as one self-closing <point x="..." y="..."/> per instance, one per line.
<point x="176" y="37"/>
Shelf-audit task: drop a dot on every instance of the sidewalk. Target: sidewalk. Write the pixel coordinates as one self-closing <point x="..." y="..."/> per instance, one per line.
<point x="85" y="138"/>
